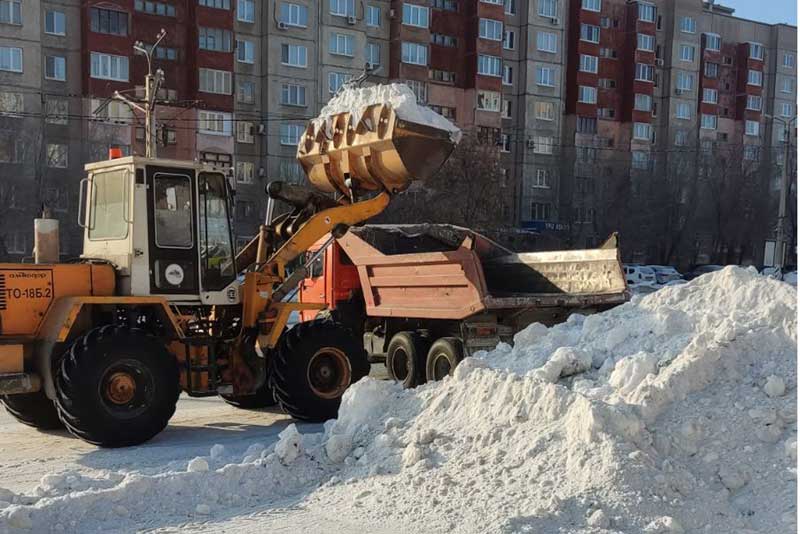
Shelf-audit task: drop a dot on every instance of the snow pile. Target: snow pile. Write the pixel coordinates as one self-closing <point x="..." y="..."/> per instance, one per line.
<point x="402" y="99"/>
<point x="672" y="413"/>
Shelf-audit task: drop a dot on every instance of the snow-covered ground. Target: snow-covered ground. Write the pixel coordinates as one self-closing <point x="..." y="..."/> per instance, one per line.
<point x="673" y="413"/>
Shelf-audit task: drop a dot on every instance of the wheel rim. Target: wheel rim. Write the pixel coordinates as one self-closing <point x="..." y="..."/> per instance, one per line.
<point x="441" y="366"/>
<point x="126" y="389"/>
<point x="400" y="364"/>
<point x="329" y="373"/>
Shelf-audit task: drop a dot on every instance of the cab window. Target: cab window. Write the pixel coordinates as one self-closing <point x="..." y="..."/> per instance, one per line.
<point x="109" y="204"/>
<point x="173" y="203"/>
<point x="216" y="250"/>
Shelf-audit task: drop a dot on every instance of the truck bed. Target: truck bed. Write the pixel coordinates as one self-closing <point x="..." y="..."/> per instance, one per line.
<point x="449" y="272"/>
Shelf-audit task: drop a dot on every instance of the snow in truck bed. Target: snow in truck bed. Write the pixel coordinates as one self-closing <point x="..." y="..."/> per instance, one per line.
<point x="672" y="413"/>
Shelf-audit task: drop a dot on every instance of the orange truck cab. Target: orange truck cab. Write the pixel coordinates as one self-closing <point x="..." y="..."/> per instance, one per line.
<point x="332" y="279"/>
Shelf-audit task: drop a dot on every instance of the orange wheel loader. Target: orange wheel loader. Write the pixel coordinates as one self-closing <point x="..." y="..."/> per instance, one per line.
<point x="159" y="303"/>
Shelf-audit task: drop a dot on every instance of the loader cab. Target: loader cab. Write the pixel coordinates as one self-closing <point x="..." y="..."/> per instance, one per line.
<point x="165" y="225"/>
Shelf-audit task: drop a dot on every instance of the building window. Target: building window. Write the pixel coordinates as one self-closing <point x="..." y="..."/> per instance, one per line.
<point x="542" y="144"/>
<point x="108" y="21"/>
<point x="341" y="44"/>
<point x="246" y="92"/>
<point x="545" y="111"/>
<point x="590" y="33"/>
<point x="640" y="159"/>
<point x="645" y="42"/>
<point x="787" y="110"/>
<point x="109" y="67"/>
<point x="510" y="7"/>
<point x="687" y="52"/>
<point x="57" y="110"/>
<point x="751" y="127"/>
<point x="548" y="8"/>
<point x="788" y="60"/>
<point x="155" y="8"/>
<point x="489" y="65"/>
<point x="214" y="122"/>
<point x="645" y="73"/>
<point x="294" y="14"/>
<point x="215" y="81"/>
<point x="444" y="40"/>
<point x="446" y="112"/>
<point x="642" y="131"/>
<point x="293" y="95"/>
<point x="55" y="23"/>
<point x="540" y="211"/>
<point x="373" y="53"/>
<point x="643" y="102"/>
<point x="245" y="172"/>
<point x="290" y="134"/>
<point x="215" y="39"/>
<point x="506" y="109"/>
<point x="688" y="25"/>
<point x="708" y="122"/>
<point x="245" y="51"/>
<point x="11" y="103"/>
<point x="713" y="41"/>
<point x="647" y="12"/>
<point x="505" y="143"/>
<point x="246" y="10"/>
<point x="57" y="156"/>
<point x="444" y="76"/>
<point x="588" y="63"/>
<point x="547" y="42"/>
<point x="586" y="125"/>
<point x="244" y="132"/>
<point x="343" y="8"/>
<point x="756" y="51"/>
<point x="710" y="96"/>
<point x="606" y="83"/>
<point x="751" y="152"/>
<point x="336" y="80"/>
<point x="754" y="77"/>
<point x="787" y="84"/>
<point x="11" y="12"/>
<point x="490" y="29"/>
<point x="587" y="95"/>
<point x="683" y="111"/>
<point x="373" y="16"/>
<point x="591" y="5"/>
<point x="754" y="102"/>
<point x="55" y="68"/>
<point x="488" y="101"/>
<point x="542" y="179"/>
<point x="609" y="53"/>
<point x="508" y="75"/>
<point x="415" y="54"/>
<point x="509" y="38"/>
<point x="445" y="5"/>
<point x="415" y="15"/>
<point x="545" y="76"/>
<point x="216" y="4"/>
<point x="294" y="55"/>
<point x="681" y="138"/>
<point x="711" y="70"/>
<point x="684" y="81"/>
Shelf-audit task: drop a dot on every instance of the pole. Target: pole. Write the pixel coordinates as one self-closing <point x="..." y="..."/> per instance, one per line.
<point x="149" y="132"/>
<point x="780" y="238"/>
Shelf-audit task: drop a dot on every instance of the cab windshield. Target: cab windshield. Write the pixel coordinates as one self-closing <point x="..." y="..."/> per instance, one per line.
<point x="216" y="250"/>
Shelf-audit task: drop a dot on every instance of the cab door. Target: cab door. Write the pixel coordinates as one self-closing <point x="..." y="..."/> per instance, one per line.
<point x="172" y="231"/>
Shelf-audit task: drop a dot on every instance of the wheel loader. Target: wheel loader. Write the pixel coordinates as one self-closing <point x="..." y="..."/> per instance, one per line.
<point x="159" y="302"/>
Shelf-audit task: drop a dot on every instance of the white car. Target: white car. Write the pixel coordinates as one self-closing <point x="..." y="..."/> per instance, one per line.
<point x="666" y="273"/>
<point x="790" y="278"/>
<point x="639" y="275"/>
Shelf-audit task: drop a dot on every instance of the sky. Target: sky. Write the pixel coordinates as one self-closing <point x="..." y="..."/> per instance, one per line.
<point x="771" y="11"/>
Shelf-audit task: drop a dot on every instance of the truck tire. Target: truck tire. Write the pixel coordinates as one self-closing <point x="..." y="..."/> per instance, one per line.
<point x="262" y="398"/>
<point x="405" y="359"/>
<point x="33" y="409"/>
<point x="314" y="363"/>
<point x="117" y="386"/>
<point x="443" y="356"/>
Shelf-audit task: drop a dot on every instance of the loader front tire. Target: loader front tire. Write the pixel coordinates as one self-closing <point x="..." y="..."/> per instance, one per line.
<point x="33" y="409"/>
<point x="314" y="363"/>
<point x="117" y="387"/>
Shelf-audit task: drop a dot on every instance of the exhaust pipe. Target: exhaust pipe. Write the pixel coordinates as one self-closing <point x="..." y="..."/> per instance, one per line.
<point x="45" y="239"/>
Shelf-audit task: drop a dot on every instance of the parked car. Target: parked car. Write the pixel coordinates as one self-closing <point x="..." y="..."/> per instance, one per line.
<point x="665" y="273"/>
<point x="639" y="275"/>
<point x="701" y="270"/>
<point x="787" y="274"/>
<point x="679" y="282"/>
<point x="790" y="278"/>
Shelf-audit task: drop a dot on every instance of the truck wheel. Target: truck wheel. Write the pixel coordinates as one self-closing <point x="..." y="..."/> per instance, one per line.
<point x="33" y="409"/>
<point x="315" y="362"/>
<point x="405" y="359"/>
<point x="262" y="398"/>
<point x="443" y="356"/>
<point x="117" y="387"/>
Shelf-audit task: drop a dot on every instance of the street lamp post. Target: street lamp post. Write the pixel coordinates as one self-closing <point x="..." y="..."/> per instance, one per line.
<point x="780" y="237"/>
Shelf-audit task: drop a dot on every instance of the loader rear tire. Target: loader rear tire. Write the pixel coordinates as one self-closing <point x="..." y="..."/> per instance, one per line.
<point x="405" y="358"/>
<point x="443" y="356"/>
<point x="314" y="363"/>
<point x="117" y="386"/>
<point x="33" y="409"/>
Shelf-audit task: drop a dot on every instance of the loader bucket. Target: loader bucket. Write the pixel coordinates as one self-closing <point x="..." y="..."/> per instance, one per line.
<point x="377" y="150"/>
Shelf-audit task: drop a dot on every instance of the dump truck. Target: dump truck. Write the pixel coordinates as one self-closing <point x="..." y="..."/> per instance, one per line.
<point x="424" y="296"/>
<point x="159" y="302"/>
